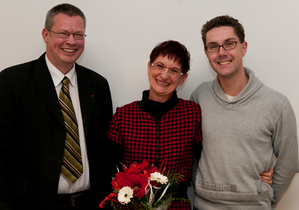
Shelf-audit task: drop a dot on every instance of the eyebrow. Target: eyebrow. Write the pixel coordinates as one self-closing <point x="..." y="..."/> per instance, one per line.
<point x="227" y="40"/>
<point x="65" y="31"/>
<point x="174" y="68"/>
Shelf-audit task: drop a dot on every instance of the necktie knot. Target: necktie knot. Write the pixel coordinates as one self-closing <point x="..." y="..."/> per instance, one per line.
<point x="66" y="81"/>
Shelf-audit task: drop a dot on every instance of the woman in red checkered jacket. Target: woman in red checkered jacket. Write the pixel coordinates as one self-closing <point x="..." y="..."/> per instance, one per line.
<point x="161" y="125"/>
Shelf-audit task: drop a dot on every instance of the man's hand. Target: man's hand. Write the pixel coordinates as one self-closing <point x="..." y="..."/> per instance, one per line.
<point x="267" y="176"/>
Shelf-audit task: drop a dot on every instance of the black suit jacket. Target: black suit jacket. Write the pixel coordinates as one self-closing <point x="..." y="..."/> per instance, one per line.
<point x="32" y="134"/>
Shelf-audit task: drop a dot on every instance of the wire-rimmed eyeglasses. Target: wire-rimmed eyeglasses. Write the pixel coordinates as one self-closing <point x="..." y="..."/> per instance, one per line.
<point x="65" y="35"/>
<point x="171" y="71"/>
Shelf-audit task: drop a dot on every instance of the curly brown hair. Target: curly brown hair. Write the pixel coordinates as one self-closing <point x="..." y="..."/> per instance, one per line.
<point x="223" y="20"/>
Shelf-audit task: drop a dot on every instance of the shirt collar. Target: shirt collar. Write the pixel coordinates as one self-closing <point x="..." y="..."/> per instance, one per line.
<point x="57" y="75"/>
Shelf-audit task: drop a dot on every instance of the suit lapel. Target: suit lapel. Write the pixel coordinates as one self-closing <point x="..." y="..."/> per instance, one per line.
<point x="46" y="88"/>
<point x="86" y="95"/>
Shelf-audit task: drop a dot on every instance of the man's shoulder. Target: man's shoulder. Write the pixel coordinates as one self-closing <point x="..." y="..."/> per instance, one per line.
<point x="264" y="90"/>
<point x="273" y="96"/>
<point x="22" y="66"/>
<point x="90" y="74"/>
<point x="88" y="71"/>
<point x="269" y="92"/>
<point x="201" y="90"/>
<point x="23" y="71"/>
<point x="204" y="85"/>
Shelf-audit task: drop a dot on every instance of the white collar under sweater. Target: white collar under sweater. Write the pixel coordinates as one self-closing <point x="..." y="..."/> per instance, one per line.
<point x="253" y="84"/>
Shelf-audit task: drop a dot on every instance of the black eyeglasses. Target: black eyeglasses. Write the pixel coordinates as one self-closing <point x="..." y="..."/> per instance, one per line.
<point x="65" y="35"/>
<point x="227" y="46"/>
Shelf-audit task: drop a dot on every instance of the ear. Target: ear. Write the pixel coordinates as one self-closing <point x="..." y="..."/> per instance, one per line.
<point x="184" y="77"/>
<point x="45" y="35"/>
<point x="206" y="52"/>
<point x="148" y="67"/>
<point x="244" y="48"/>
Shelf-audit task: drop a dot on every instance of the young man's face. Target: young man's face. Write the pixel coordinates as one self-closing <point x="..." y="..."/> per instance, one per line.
<point x="226" y="63"/>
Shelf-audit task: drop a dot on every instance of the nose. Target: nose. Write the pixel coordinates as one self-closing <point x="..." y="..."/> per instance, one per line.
<point x="222" y="51"/>
<point x="165" y="74"/>
<point x="71" y="39"/>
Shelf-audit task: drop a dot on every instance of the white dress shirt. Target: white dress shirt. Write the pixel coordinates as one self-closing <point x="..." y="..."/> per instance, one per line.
<point x="65" y="186"/>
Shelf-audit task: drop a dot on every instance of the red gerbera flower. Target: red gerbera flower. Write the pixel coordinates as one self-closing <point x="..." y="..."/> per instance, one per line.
<point x="138" y="182"/>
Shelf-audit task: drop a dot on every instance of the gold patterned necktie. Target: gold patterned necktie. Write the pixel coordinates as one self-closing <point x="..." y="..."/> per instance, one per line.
<point x="72" y="162"/>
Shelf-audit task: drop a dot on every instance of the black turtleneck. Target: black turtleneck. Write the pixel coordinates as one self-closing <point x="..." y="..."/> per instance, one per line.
<point x="157" y="109"/>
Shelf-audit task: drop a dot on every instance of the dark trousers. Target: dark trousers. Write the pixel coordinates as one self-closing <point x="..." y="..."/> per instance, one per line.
<point x="74" y="201"/>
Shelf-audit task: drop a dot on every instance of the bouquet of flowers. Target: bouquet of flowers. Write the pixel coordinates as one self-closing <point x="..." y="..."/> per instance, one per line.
<point x="142" y="186"/>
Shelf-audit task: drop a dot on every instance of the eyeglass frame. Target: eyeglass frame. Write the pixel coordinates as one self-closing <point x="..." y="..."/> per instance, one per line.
<point x="69" y="34"/>
<point x="224" y="47"/>
<point x="169" y="70"/>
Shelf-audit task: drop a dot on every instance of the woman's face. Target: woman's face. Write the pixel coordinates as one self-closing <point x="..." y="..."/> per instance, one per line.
<point x="164" y="82"/>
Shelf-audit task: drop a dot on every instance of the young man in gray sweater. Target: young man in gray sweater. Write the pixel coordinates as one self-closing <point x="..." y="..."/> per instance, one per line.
<point x="243" y="124"/>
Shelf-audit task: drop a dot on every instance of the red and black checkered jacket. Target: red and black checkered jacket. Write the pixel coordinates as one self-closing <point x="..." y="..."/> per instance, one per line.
<point x="172" y="138"/>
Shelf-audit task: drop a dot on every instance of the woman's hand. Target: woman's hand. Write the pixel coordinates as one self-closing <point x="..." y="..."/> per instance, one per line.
<point x="267" y="176"/>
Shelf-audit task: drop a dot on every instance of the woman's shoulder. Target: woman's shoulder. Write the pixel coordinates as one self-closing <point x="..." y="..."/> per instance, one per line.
<point x="130" y="106"/>
<point x="187" y="104"/>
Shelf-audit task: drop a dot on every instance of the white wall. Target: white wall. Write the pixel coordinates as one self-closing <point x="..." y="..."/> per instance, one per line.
<point x="122" y="33"/>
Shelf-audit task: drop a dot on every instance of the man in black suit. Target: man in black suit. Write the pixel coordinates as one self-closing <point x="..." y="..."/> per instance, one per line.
<point x="32" y="126"/>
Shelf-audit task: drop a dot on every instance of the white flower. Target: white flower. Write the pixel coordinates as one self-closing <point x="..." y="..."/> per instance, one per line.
<point x="124" y="195"/>
<point x="158" y="177"/>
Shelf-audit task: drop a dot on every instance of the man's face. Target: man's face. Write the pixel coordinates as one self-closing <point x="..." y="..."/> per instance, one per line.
<point x="63" y="53"/>
<point x="226" y="63"/>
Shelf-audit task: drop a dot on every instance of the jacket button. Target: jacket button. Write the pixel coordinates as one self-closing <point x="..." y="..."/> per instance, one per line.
<point x="58" y="163"/>
<point x="63" y="136"/>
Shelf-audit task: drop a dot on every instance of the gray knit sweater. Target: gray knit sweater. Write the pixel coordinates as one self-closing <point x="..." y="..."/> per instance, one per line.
<point x="239" y="139"/>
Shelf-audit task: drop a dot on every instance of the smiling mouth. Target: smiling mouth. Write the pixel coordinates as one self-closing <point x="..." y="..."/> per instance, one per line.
<point x="224" y="62"/>
<point x="69" y="50"/>
<point x="161" y="83"/>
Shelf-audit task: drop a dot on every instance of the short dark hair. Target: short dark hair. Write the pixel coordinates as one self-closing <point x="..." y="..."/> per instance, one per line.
<point x="67" y="9"/>
<point x="174" y="50"/>
<point x="224" y="20"/>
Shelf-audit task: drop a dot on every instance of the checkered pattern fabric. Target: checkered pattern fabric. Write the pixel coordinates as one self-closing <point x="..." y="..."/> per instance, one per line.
<point x="179" y="129"/>
<point x="180" y="205"/>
